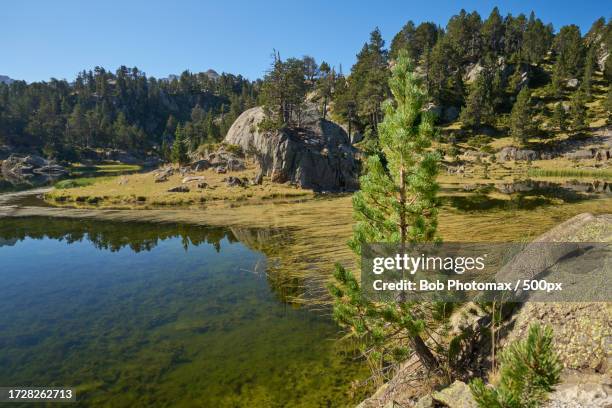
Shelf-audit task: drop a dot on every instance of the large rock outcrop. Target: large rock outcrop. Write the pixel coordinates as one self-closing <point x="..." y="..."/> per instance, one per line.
<point x="318" y="155"/>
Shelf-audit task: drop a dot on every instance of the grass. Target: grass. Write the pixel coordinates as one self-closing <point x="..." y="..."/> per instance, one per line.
<point x="600" y="174"/>
<point x="79" y="182"/>
<point x="105" y="168"/>
<point x="140" y="190"/>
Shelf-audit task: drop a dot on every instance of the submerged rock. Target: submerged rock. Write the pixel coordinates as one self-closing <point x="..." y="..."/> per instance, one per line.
<point x="317" y="156"/>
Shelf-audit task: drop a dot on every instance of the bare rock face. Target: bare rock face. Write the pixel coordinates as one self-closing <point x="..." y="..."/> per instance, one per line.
<point x="317" y="156"/>
<point x="514" y="153"/>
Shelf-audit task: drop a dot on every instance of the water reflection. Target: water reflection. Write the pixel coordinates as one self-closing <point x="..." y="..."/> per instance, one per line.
<point x="146" y="236"/>
<point x="145" y="314"/>
<point x="522" y="195"/>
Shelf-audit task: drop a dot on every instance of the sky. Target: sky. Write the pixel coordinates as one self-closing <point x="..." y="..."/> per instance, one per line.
<point x="57" y="39"/>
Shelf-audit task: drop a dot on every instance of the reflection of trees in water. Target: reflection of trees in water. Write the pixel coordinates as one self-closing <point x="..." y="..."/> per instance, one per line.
<point x="283" y="276"/>
<point x="526" y="195"/>
<point x="138" y="236"/>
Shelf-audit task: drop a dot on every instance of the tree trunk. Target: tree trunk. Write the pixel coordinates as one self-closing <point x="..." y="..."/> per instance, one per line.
<point x="324" y="107"/>
<point x="424" y="354"/>
<point x="429" y="361"/>
<point x="402" y="202"/>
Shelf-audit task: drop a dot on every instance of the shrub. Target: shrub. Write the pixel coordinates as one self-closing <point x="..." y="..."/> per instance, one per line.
<point x="529" y="370"/>
<point x="479" y="141"/>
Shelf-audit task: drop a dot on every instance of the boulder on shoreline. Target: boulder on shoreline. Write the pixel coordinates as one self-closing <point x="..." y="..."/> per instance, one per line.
<point x="25" y="167"/>
<point x="318" y="155"/>
<point x="514" y="153"/>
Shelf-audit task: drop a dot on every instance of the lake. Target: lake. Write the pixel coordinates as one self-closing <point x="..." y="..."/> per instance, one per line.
<point x="144" y="314"/>
<point x="175" y="312"/>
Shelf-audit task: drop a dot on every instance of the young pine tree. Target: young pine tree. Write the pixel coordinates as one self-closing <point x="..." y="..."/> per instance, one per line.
<point x="521" y="125"/>
<point x="179" y="148"/>
<point x="396" y="204"/>
<point x="529" y="370"/>
<point x="559" y="118"/>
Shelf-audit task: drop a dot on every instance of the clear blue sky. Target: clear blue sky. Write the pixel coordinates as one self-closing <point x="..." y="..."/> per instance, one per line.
<point x="44" y="39"/>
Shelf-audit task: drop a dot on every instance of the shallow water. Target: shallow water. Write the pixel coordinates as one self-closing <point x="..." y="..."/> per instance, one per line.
<point x="138" y="314"/>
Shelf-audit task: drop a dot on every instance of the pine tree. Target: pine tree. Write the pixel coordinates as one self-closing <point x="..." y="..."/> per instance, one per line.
<point x="479" y="105"/>
<point x="587" y="76"/>
<point x="556" y="82"/>
<point x="325" y="86"/>
<point x="570" y="50"/>
<point x="536" y="40"/>
<point x="529" y="371"/>
<point x="521" y="125"/>
<point x="578" y="111"/>
<point x="397" y="203"/>
<point x="493" y="33"/>
<point x="179" y="148"/>
<point x="165" y="150"/>
<point x="559" y="118"/>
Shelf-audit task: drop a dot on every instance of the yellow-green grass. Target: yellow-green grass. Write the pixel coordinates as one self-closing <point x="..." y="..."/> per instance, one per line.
<point x="79" y="182"/>
<point x="141" y="190"/>
<point x="602" y="174"/>
<point x="104" y="168"/>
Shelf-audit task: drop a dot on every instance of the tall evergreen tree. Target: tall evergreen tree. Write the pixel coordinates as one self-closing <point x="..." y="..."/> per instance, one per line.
<point x="325" y="86"/>
<point x="559" y="118"/>
<point x="578" y="111"/>
<point x="364" y="91"/>
<point x="283" y="92"/>
<point x="179" y="148"/>
<point x="397" y="203"/>
<point x="570" y="50"/>
<point x="479" y="104"/>
<point x="493" y="34"/>
<point x="537" y="40"/>
<point x="587" y="75"/>
<point x="521" y="125"/>
<point x="514" y="33"/>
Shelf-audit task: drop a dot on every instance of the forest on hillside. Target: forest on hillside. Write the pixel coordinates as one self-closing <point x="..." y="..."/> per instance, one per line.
<point x="121" y="110"/>
<point x="479" y="71"/>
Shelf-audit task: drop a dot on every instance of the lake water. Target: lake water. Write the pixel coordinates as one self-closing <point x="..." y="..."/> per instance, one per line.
<point x="154" y="314"/>
<point x="143" y="314"/>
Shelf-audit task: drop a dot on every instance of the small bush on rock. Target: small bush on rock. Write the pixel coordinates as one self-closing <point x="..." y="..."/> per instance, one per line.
<point x="529" y="370"/>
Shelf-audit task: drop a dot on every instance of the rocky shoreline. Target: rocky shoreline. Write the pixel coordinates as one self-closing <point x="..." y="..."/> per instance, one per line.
<point x="583" y="333"/>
